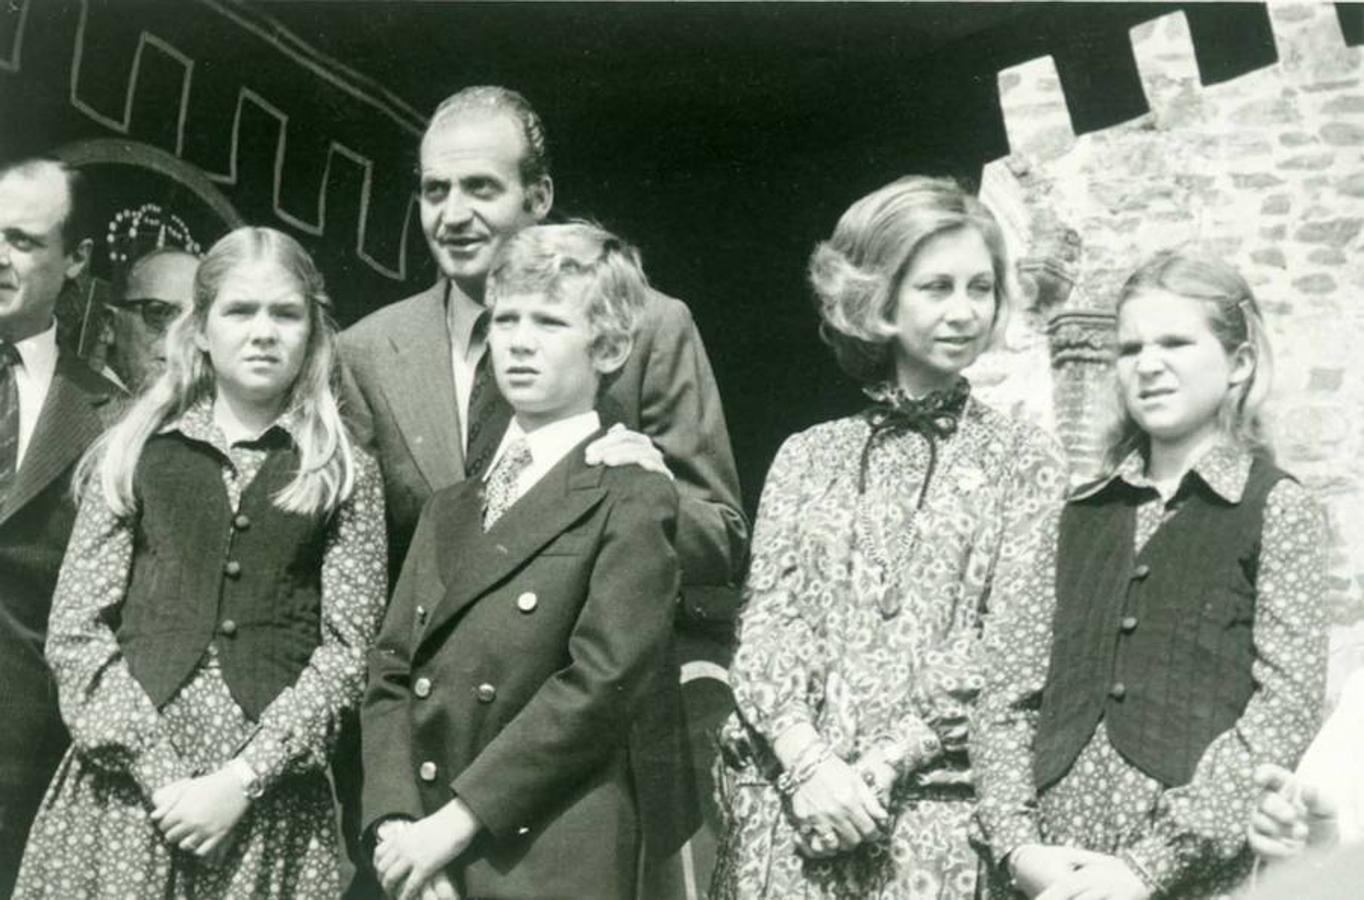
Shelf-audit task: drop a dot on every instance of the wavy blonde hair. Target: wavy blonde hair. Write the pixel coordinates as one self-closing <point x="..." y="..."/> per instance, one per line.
<point x="326" y="469"/>
<point x="582" y="261"/>
<point x="1234" y="318"/>
<point x="856" y="273"/>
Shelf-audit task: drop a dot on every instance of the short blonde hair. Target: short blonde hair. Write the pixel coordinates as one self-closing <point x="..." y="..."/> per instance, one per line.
<point x="856" y="273"/>
<point x="1234" y="318"/>
<point x="579" y="261"/>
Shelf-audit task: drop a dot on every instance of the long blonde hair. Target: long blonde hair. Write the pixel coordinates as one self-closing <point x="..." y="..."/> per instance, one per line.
<point x="1234" y="319"/>
<point x="326" y="459"/>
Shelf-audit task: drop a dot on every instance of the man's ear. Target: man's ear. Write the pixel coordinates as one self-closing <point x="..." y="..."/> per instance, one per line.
<point x="78" y="259"/>
<point x="540" y="198"/>
<point x="609" y="355"/>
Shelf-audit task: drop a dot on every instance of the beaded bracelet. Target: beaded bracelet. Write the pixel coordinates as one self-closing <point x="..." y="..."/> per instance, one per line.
<point x="810" y="759"/>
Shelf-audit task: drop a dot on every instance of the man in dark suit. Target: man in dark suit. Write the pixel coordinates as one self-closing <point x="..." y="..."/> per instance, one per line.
<point x="419" y="393"/>
<point x="512" y="746"/>
<point x="51" y="408"/>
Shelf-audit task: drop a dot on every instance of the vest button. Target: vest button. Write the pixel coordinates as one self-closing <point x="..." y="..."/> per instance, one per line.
<point x="241" y="522"/>
<point x="422" y="687"/>
<point x="1118" y="691"/>
<point x="485" y="693"/>
<point x="228" y="627"/>
<point x="1141" y="571"/>
<point x="427" y="771"/>
<point x="232" y="568"/>
<point x="1129" y="624"/>
<point x="527" y="602"/>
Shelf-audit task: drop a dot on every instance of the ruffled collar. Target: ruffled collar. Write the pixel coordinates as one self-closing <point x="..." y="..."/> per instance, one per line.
<point x="936" y="415"/>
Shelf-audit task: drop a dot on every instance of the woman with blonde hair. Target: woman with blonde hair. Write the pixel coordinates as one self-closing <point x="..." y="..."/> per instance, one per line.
<point x="884" y="545"/>
<point x="224" y="581"/>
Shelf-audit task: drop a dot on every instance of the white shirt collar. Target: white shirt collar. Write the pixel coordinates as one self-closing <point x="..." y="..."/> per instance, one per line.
<point x="548" y="444"/>
<point x="39" y="352"/>
<point x="33" y="379"/>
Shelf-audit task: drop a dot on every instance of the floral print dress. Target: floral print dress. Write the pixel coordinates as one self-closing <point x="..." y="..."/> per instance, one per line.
<point x="93" y="837"/>
<point x="862" y="618"/>
<point x="1186" y="841"/>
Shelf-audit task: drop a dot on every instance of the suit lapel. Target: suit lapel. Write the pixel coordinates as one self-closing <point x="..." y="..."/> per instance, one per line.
<point x="476" y="563"/>
<point x="420" y="387"/>
<point x="68" y="423"/>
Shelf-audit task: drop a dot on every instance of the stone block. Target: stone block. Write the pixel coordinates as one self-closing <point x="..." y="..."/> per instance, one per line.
<point x="1333" y="232"/>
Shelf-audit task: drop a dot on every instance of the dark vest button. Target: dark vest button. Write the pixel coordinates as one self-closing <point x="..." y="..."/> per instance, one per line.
<point x="232" y="568"/>
<point x="1118" y="691"/>
<point x="1141" y="571"/>
<point x="1129" y="624"/>
<point x="241" y="522"/>
<point x="486" y="693"/>
<point x="228" y="627"/>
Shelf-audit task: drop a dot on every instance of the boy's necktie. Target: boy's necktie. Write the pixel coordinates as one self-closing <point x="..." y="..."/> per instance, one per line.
<point x="500" y="491"/>
<point x="9" y="418"/>
<point x="489" y="414"/>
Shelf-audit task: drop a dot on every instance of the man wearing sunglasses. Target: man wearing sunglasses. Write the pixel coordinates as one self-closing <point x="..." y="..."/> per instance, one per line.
<point x="155" y="291"/>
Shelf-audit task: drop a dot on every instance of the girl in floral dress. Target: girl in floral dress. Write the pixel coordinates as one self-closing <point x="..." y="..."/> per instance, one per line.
<point x="225" y="578"/>
<point x="1174" y="635"/>
<point x="885" y="544"/>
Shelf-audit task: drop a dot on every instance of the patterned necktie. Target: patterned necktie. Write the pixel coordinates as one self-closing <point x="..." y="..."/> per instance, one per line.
<point x="9" y="418"/>
<point x="489" y="413"/>
<point x="500" y="491"/>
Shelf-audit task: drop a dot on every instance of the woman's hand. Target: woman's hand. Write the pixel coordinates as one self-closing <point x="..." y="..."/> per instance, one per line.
<point x="1035" y="867"/>
<point x="834" y="809"/>
<point x="1101" y="878"/>
<point x="198" y="815"/>
<point x="1289" y="816"/>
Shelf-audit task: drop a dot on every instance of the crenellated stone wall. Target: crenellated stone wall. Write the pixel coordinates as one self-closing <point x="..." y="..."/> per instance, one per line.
<point x="1266" y="170"/>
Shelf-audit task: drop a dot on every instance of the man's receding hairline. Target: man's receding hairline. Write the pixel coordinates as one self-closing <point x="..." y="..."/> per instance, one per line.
<point x="463" y="115"/>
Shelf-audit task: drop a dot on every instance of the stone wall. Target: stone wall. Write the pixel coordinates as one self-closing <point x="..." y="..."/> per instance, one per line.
<point x="1266" y="170"/>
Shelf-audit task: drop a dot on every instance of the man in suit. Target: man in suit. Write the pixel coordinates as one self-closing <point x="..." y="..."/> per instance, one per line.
<point x="419" y="393"/>
<point x="510" y="747"/>
<point x="51" y="408"/>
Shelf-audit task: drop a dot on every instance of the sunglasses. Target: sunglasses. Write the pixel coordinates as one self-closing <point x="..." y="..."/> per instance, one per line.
<point x="156" y="314"/>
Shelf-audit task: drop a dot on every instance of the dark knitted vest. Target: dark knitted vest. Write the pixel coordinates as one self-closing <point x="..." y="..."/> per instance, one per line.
<point x="248" y="582"/>
<point x="1157" y="644"/>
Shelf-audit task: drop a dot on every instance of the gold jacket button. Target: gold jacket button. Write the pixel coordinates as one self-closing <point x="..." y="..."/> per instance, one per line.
<point x="421" y="615"/>
<point x="527" y="602"/>
<point x="232" y="568"/>
<point x="485" y="692"/>
<point x="427" y="771"/>
<point x="422" y="687"/>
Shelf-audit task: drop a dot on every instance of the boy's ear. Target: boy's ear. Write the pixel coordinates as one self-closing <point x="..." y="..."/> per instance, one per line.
<point x="609" y="355"/>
